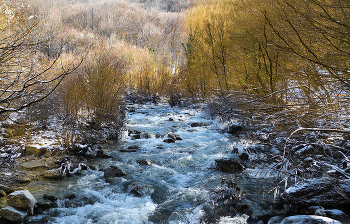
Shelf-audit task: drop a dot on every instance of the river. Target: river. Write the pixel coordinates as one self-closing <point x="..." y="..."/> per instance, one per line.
<point x="179" y="185"/>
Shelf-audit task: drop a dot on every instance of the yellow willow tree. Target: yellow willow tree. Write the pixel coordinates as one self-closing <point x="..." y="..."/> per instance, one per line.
<point x="229" y="48"/>
<point x="315" y="36"/>
<point x="208" y="48"/>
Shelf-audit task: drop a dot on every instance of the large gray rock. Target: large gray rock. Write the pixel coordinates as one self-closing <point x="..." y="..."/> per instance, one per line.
<point x="308" y="219"/>
<point x="55" y="174"/>
<point x="22" y="199"/>
<point x="36" y="165"/>
<point x="12" y="214"/>
<point x="318" y="191"/>
<point x="113" y="171"/>
<point x="229" y="165"/>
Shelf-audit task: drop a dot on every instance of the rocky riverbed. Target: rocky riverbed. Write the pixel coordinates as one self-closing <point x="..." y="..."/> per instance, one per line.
<point x="314" y="175"/>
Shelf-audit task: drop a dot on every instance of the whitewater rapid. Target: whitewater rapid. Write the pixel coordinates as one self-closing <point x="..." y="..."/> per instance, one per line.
<point x="176" y="187"/>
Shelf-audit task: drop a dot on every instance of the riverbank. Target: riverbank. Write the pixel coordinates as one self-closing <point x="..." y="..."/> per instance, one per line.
<point x="258" y="147"/>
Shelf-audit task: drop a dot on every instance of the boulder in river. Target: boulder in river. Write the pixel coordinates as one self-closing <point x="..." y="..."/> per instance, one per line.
<point x="140" y="189"/>
<point x="22" y="199"/>
<point x="132" y="148"/>
<point x="147" y="162"/>
<point x="234" y="129"/>
<point x="174" y="136"/>
<point x="44" y="204"/>
<point x="169" y="140"/>
<point x="243" y="156"/>
<point x="308" y="219"/>
<point x="198" y="124"/>
<point x="229" y="165"/>
<point x="113" y="171"/>
<point x="12" y="214"/>
<point x="318" y="191"/>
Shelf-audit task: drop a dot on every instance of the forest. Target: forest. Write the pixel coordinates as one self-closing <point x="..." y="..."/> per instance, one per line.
<point x="82" y="61"/>
<point x="286" y="56"/>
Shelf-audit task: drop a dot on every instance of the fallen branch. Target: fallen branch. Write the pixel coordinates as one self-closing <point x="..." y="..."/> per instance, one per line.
<point x="313" y="129"/>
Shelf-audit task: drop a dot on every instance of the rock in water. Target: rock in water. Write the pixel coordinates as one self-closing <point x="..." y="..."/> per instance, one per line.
<point x="229" y="165"/>
<point x="144" y="162"/>
<point x="169" y="140"/>
<point x="22" y="199"/>
<point x="140" y="189"/>
<point x="174" y="136"/>
<point x="198" y="124"/>
<point x="12" y="214"/>
<point x="113" y="171"/>
<point x="309" y="219"/>
<point x="318" y="191"/>
<point x="234" y="129"/>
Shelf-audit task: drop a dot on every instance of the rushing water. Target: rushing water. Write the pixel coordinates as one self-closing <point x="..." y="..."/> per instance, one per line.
<point x="176" y="188"/>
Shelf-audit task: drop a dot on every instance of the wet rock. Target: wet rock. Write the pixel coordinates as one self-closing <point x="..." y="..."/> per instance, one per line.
<point x="140" y="189"/>
<point x="136" y="136"/>
<point x="150" y="136"/>
<point x="174" y="136"/>
<point x="132" y="148"/>
<point x="83" y="166"/>
<point x="144" y="162"/>
<point x="71" y="196"/>
<point x="243" y="209"/>
<point x="92" y="167"/>
<point x="276" y="219"/>
<point x="12" y="214"/>
<point x="55" y="174"/>
<point x="113" y="171"/>
<point x="169" y="140"/>
<point x="234" y="129"/>
<point x="44" y="204"/>
<point x="101" y="153"/>
<point x="337" y="215"/>
<point x="318" y="191"/>
<point x="37" y="165"/>
<point x="2" y="193"/>
<point x="243" y="156"/>
<point x="50" y="197"/>
<point x="6" y="189"/>
<point x="229" y="165"/>
<point x="309" y="219"/>
<point x="22" y="199"/>
<point x="24" y="180"/>
<point x="198" y="124"/>
<point x="171" y="119"/>
<point x="94" y="151"/>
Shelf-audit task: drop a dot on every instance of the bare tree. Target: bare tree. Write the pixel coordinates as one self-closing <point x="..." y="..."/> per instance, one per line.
<point x="27" y="76"/>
